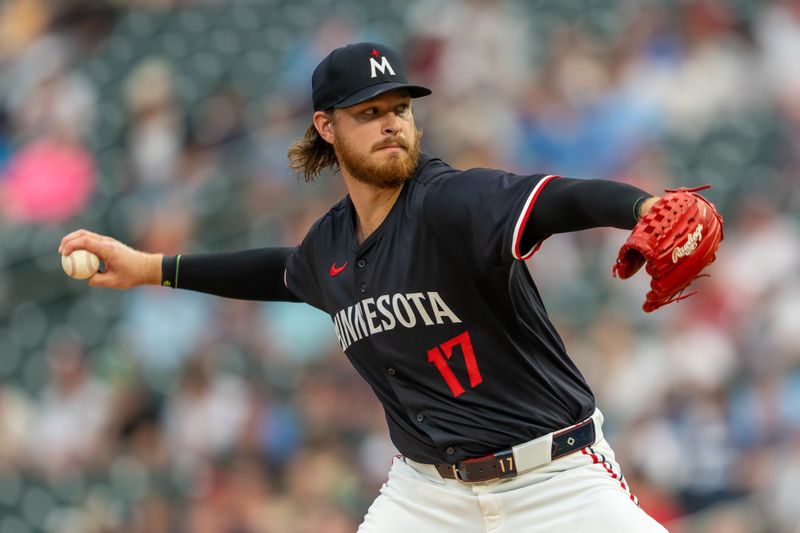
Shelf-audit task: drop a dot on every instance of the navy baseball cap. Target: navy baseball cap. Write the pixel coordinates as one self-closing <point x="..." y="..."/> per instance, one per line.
<point x="357" y="72"/>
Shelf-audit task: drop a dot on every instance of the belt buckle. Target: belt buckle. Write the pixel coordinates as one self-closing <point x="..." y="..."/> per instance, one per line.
<point x="457" y="476"/>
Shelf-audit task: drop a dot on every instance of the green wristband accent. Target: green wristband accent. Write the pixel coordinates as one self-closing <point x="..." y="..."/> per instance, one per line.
<point x="177" y="269"/>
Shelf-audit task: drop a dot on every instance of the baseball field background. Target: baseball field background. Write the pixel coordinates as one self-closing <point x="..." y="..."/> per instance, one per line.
<point x="165" y="124"/>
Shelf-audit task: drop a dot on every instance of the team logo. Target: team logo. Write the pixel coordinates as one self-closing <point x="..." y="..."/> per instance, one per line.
<point x="383" y="66"/>
<point x="690" y="246"/>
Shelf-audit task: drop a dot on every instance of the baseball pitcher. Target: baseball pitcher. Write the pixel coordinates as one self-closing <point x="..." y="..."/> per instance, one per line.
<point x="421" y="268"/>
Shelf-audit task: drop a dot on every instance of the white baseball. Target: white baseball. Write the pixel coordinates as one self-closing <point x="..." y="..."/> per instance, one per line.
<point x="80" y="264"/>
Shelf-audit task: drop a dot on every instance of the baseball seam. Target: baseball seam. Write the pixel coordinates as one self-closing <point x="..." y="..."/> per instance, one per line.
<point x="89" y="265"/>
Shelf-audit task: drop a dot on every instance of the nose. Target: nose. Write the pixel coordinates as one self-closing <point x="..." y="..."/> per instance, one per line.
<point x="391" y="124"/>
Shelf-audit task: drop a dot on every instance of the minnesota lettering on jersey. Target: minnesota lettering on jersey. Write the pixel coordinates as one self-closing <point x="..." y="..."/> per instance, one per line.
<point x="384" y="313"/>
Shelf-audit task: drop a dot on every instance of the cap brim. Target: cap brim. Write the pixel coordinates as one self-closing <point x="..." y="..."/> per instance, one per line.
<point x="375" y="90"/>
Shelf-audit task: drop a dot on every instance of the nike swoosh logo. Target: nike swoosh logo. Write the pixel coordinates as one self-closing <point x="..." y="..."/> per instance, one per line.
<point x="336" y="270"/>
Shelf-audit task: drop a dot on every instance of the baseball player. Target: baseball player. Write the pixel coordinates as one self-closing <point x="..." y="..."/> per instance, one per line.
<point x="421" y="269"/>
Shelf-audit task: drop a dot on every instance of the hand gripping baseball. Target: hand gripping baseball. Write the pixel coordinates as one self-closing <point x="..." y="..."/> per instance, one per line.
<point x="676" y="239"/>
<point x="124" y="266"/>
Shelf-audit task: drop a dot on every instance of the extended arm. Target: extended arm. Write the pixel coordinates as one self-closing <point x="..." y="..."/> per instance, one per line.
<point x="567" y="204"/>
<point x="247" y="275"/>
<point x="250" y="275"/>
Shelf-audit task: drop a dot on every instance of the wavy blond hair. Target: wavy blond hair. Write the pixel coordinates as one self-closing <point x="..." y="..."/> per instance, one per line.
<point x="311" y="155"/>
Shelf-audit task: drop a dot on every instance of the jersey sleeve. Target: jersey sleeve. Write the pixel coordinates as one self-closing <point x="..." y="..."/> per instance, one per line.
<point x="299" y="276"/>
<point x="487" y="210"/>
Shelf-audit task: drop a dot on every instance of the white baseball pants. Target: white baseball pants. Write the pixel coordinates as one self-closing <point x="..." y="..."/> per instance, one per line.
<point x="581" y="492"/>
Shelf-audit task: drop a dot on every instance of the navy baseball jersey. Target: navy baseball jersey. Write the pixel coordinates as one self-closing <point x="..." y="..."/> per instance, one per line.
<point x="438" y="312"/>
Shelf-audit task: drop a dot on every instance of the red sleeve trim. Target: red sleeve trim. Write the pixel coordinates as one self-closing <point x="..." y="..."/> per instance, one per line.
<point x="523" y="219"/>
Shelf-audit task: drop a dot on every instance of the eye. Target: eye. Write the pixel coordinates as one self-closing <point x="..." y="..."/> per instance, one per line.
<point x="370" y="112"/>
<point x="402" y="109"/>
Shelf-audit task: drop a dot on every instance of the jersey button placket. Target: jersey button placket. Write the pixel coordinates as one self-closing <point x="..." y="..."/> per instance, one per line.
<point x="360" y="264"/>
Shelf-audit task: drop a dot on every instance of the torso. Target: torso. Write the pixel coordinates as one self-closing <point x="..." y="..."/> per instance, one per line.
<point x="446" y="326"/>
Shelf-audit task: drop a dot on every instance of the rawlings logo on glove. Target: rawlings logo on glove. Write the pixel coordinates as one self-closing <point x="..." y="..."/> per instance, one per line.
<point x="690" y="246"/>
<point x="677" y="238"/>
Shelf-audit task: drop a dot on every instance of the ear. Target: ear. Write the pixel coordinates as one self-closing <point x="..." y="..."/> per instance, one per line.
<point x="323" y="122"/>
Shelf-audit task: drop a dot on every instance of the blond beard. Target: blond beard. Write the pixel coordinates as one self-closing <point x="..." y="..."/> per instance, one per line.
<point x="389" y="175"/>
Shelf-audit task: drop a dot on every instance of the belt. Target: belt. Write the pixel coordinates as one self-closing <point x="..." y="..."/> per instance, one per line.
<point x="523" y="457"/>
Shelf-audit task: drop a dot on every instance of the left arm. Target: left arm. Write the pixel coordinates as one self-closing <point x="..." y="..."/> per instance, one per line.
<point x="567" y="204"/>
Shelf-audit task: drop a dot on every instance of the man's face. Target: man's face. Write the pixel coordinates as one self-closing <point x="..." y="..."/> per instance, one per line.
<point x="376" y="141"/>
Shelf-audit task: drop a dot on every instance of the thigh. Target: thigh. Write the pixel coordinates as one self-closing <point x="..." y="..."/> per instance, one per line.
<point x="411" y="502"/>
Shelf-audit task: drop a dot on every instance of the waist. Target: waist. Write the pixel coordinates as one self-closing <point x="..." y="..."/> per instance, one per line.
<point x="523" y="457"/>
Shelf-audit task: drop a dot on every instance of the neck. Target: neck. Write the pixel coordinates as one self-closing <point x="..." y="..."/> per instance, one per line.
<point x="372" y="204"/>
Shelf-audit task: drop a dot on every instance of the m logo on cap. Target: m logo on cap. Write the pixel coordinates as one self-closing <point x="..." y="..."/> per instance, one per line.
<point x="382" y="66"/>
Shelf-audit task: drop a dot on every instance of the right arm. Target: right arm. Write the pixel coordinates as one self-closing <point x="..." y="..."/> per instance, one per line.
<point x="249" y="275"/>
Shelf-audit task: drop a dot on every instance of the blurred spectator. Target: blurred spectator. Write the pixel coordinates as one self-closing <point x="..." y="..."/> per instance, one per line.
<point x="476" y="76"/>
<point x="154" y="138"/>
<point x="204" y="416"/>
<point x="778" y="33"/>
<point x="72" y="414"/>
<point x="782" y="317"/>
<point x="51" y="177"/>
<point x="470" y="63"/>
<point x="581" y="117"/>
<point x="702" y="356"/>
<point x="765" y="254"/>
<point x="220" y="123"/>
<point x="765" y="410"/>
<point x="714" y="78"/>
<point x="272" y="428"/>
<point x="50" y="98"/>
<point x="47" y="181"/>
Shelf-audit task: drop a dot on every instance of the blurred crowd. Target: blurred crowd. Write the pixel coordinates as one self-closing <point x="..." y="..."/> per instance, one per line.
<point x="165" y="124"/>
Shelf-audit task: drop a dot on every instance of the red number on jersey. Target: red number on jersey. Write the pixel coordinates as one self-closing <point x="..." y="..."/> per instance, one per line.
<point x="435" y="356"/>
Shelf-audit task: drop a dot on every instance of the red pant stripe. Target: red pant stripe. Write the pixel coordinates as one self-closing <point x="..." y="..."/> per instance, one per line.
<point x="614" y="475"/>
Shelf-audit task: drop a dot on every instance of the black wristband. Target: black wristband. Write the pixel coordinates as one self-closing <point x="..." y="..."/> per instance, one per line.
<point x="169" y="270"/>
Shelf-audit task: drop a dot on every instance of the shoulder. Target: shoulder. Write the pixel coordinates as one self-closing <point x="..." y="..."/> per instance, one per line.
<point x="333" y="218"/>
<point x="437" y="179"/>
<point x="431" y="169"/>
<point x="324" y="232"/>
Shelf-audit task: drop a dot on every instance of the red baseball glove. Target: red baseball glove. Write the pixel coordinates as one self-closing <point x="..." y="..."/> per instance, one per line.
<point x="677" y="239"/>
